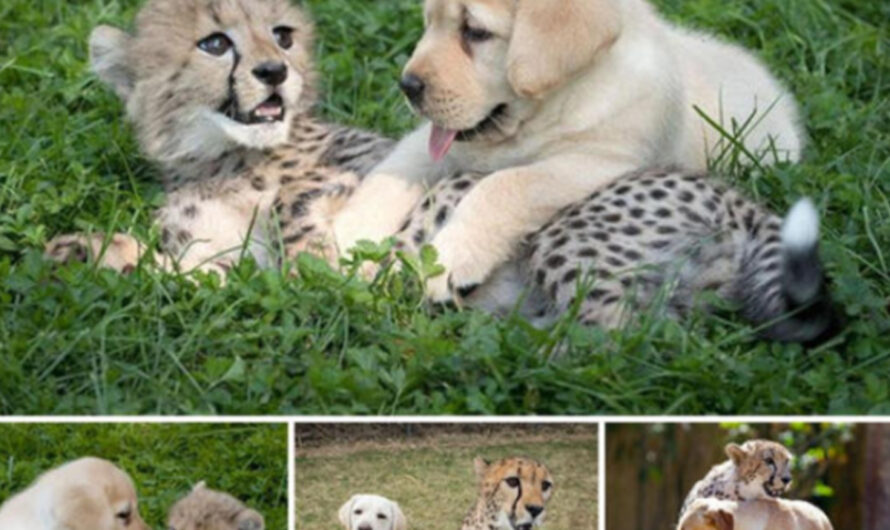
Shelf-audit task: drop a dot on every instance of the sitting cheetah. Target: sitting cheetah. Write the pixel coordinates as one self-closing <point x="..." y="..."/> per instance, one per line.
<point x="220" y="96"/>
<point x="513" y="493"/>
<point x="757" y="469"/>
<point x="206" y="509"/>
<point x="657" y="235"/>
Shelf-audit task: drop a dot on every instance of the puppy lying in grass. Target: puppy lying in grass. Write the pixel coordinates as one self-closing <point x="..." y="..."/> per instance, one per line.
<point x="86" y="494"/>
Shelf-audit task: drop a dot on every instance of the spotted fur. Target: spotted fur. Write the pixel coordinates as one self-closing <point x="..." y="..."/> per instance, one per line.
<point x="653" y="240"/>
<point x="235" y="180"/>
<point x="206" y="509"/>
<point x="512" y="495"/>
<point x="758" y="469"/>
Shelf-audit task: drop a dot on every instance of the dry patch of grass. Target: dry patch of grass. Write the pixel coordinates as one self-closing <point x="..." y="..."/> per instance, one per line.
<point x="434" y="483"/>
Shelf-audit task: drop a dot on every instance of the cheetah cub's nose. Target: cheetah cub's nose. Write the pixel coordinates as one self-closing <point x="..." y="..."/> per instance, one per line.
<point x="534" y="509"/>
<point x="271" y="73"/>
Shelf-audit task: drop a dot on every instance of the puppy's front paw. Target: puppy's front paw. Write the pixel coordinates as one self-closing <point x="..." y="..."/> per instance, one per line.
<point x="466" y="267"/>
<point x="121" y="253"/>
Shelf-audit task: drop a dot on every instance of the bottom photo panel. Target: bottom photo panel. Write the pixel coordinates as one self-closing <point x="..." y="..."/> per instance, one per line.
<point x="747" y="476"/>
<point x="143" y="476"/>
<point x="467" y="476"/>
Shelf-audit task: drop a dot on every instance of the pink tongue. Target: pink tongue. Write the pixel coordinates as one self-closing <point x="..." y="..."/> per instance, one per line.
<point x="440" y="142"/>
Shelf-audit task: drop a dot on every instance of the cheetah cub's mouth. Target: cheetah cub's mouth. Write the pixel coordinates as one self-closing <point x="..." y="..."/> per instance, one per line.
<point x="269" y="111"/>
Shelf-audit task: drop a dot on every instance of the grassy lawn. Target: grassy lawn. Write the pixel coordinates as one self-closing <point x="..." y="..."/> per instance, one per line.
<point x="165" y="461"/>
<point x="80" y="340"/>
<point x="434" y="483"/>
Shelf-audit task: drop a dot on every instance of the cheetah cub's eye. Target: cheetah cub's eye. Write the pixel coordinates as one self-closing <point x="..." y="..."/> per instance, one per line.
<point x="217" y="44"/>
<point x="769" y="461"/>
<point x="285" y="36"/>
<point x="513" y="482"/>
<point x="546" y="485"/>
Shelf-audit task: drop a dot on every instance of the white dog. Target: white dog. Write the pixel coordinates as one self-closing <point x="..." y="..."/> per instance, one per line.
<point x="555" y="99"/>
<point x="762" y="514"/>
<point x="372" y="512"/>
<point x="87" y="494"/>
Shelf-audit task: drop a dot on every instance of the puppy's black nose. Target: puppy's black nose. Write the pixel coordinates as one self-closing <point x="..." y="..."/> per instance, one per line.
<point x="534" y="509"/>
<point x="413" y="87"/>
<point x="271" y="73"/>
<point x="364" y="527"/>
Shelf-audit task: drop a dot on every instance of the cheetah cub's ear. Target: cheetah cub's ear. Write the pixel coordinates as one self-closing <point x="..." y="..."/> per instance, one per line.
<point x="736" y="453"/>
<point x="481" y="466"/>
<point x="108" y="57"/>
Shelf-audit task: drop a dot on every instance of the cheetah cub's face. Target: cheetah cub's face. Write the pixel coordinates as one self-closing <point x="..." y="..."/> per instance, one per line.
<point x="518" y="488"/>
<point x="763" y="467"/>
<point x="206" y="509"/>
<point x="201" y="76"/>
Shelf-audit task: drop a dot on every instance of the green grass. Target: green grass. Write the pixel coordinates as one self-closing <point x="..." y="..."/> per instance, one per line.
<point x="78" y="340"/>
<point x="435" y="484"/>
<point x="165" y="461"/>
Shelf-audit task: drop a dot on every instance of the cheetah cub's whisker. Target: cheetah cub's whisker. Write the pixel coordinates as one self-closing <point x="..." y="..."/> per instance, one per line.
<point x="220" y="95"/>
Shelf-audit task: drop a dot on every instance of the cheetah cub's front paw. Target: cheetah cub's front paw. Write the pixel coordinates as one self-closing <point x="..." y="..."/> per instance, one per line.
<point x="121" y="252"/>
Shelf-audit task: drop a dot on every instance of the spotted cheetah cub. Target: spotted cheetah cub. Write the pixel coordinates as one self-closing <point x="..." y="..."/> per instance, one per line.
<point x="206" y="509"/>
<point x="757" y="469"/>
<point x="220" y="94"/>
<point x="654" y="239"/>
<point x="513" y="493"/>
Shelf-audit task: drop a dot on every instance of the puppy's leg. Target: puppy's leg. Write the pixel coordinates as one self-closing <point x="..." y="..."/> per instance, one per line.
<point x="386" y="197"/>
<point x="491" y="221"/>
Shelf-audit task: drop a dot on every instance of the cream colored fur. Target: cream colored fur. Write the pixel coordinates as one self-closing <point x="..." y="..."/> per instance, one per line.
<point x="87" y="494"/>
<point x="371" y="512"/>
<point x="763" y="514"/>
<point x="594" y="89"/>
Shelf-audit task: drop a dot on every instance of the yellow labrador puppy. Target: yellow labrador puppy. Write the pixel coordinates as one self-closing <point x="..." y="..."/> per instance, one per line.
<point x="87" y="494"/>
<point x="763" y="514"/>
<point x="555" y="99"/>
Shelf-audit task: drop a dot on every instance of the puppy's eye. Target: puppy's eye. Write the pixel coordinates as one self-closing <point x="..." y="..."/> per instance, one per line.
<point x="471" y="34"/>
<point x="285" y="36"/>
<point x="357" y="512"/>
<point x="513" y="482"/>
<point x="546" y="485"/>
<point x="125" y="516"/>
<point x="381" y="516"/>
<point x="217" y="44"/>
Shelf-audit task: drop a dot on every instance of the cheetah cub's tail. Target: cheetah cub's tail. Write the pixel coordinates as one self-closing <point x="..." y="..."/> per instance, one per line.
<point x="792" y="302"/>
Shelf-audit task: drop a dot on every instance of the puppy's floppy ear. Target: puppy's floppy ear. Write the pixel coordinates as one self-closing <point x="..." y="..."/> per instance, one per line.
<point x="554" y="39"/>
<point x="345" y="510"/>
<point x="250" y="520"/>
<point x="721" y="520"/>
<point x="398" y="518"/>
<point x="108" y="57"/>
<point x="736" y="452"/>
